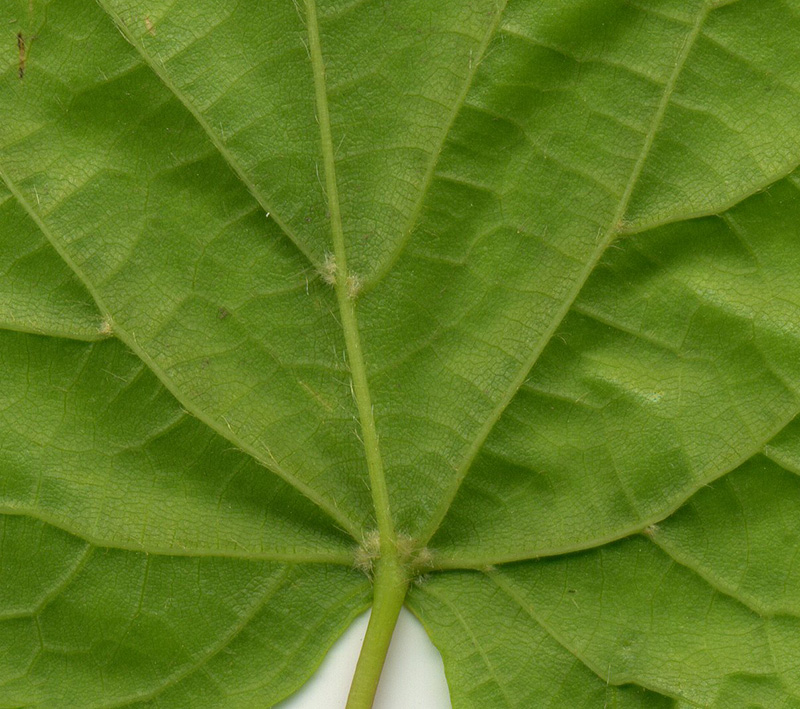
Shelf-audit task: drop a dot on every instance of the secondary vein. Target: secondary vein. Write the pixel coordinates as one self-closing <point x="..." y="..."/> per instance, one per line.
<point x="130" y="340"/>
<point x="427" y="179"/>
<point x="293" y="555"/>
<point x="220" y="146"/>
<point x="343" y="283"/>
<point x="529" y="609"/>
<point x="608" y="237"/>
<point x="8" y="325"/>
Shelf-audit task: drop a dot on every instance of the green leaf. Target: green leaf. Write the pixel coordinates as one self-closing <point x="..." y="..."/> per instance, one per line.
<point x="38" y="291"/>
<point x="677" y="363"/>
<point x="107" y="627"/>
<point x="490" y="308"/>
<point x="126" y="467"/>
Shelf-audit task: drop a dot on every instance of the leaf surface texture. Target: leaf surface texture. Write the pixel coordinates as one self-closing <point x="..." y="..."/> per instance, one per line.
<point x="568" y="346"/>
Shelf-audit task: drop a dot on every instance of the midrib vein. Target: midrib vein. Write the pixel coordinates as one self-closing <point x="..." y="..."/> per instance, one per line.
<point x="130" y="340"/>
<point x="608" y="237"/>
<point x="219" y="145"/>
<point x="347" y="312"/>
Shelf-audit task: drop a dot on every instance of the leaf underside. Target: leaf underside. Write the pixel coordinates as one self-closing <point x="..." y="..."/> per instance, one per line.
<point x="571" y="232"/>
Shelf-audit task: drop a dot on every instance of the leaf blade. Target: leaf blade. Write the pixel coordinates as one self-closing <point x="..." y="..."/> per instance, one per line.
<point x="39" y="293"/>
<point x="144" y="476"/>
<point x="116" y="609"/>
<point x="647" y="390"/>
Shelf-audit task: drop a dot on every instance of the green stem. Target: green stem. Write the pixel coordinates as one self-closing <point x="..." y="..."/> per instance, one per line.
<point x="391" y="586"/>
<point x="345" y="284"/>
<point x="391" y="578"/>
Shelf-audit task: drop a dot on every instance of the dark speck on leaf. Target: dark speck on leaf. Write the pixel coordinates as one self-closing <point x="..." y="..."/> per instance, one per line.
<point x="22" y="54"/>
<point x="222" y="313"/>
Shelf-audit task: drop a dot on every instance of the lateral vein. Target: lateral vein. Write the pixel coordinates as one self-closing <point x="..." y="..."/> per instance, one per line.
<point x="529" y="610"/>
<point x="608" y="237"/>
<point x="213" y="137"/>
<point x="130" y="340"/>
<point x="7" y="325"/>
<point x="434" y="161"/>
<point x="293" y="556"/>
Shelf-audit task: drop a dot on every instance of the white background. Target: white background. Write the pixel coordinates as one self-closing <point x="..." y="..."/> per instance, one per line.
<point x="413" y="677"/>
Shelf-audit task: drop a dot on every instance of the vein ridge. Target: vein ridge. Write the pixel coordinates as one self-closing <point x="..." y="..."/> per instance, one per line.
<point x="445" y="562"/>
<point x="52" y="593"/>
<point x="343" y="282"/>
<point x="129" y="338"/>
<point x="506" y="588"/>
<point x="475" y="641"/>
<point x="434" y="160"/>
<point x="634" y="229"/>
<point x="293" y="556"/>
<point x="65" y="334"/>
<point x="216" y="142"/>
<point x="174" y="679"/>
<point x="608" y="237"/>
<point x="716" y="584"/>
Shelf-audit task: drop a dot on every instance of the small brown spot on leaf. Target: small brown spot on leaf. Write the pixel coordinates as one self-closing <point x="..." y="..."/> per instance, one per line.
<point x="223" y="313"/>
<point x="151" y="30"/>
<point x="22" y="54"/>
